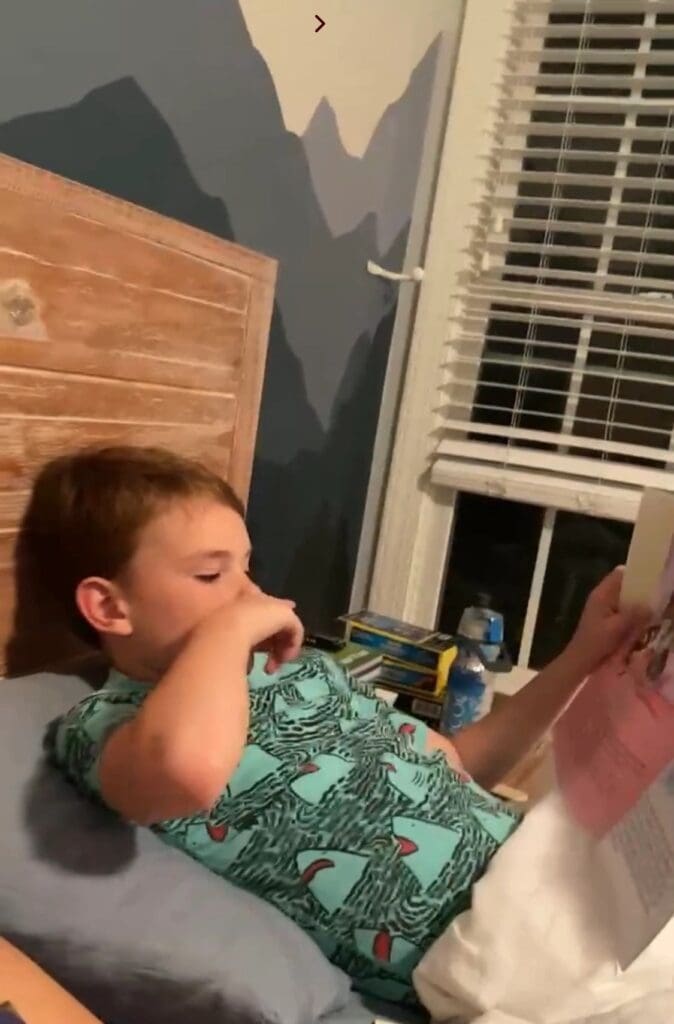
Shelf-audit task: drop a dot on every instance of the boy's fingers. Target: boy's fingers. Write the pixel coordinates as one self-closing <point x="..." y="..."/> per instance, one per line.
<point x="640" y="614"/>
<point x="608" y="589"/>
<point x="273" y="663"/>
<point x="637" y="617"/>
<point x="635" y="621"/>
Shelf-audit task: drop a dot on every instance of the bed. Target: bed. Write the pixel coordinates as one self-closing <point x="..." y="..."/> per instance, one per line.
<point x="116" y="326"/>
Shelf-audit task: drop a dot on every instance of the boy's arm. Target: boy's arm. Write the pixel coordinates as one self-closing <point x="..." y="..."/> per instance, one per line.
<point x="493" y="746"/>
<point x="177" y="755"/>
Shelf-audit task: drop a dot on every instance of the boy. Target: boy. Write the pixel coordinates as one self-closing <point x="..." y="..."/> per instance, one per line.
<point x="267" y="764"/>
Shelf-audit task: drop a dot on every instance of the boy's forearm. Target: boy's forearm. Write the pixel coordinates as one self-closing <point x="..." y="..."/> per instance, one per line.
<point x="492" y="747"/>
<point x="197" y="715"/>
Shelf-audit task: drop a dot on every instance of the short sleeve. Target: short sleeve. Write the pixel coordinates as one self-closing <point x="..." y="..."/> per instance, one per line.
<point x="75" y="741"/>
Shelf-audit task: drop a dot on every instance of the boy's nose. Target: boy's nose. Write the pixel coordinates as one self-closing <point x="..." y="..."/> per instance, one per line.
<point x="247" y="585"/>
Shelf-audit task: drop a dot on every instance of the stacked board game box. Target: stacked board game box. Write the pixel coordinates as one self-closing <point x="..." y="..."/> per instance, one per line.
<point x="415" y="662"/>
<point x="360" y="661"/>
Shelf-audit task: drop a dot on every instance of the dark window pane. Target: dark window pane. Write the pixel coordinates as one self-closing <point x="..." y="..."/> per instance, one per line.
<point x="493" y="551"/>
<point x="584" y="549"/>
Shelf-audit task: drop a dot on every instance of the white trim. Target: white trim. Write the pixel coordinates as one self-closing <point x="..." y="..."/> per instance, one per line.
<point x="605" y="501"/>
<point x="511" y="683"/>
<point x="407" y="302"/>
<point x="411" y="554"/>
<point x="536" y="588"/>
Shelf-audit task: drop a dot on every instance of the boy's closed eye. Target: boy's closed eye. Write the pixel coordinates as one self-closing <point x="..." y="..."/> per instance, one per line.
<point x="223" y="559"/>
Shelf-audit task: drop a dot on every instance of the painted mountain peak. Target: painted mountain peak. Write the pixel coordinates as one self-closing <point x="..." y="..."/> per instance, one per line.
<point x="384" y="179"/>
<point x="114" y="139"/>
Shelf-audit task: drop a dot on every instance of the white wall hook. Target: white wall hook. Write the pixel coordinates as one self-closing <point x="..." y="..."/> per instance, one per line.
<point x="377" y="271"/>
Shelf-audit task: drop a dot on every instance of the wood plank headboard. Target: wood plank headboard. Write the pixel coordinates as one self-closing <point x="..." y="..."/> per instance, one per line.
<point x="117" y="325"/>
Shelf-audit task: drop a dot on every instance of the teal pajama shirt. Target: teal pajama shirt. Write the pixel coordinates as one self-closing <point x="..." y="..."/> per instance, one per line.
<point x="335" y="815"/>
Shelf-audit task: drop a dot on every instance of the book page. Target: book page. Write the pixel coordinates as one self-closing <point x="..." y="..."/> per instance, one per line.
<point x="614" y="740"/>
<point x="638" y="854"/>
<point x="614" y="749"/>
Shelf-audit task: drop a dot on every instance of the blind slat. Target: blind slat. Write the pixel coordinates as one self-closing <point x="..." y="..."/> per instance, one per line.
<point x="557" y="366"/>
<point x="581" y="57"/>
<point x="595" y="207"/>
<point x="549" y="249"/>
<point x="587" y="8"/>
<point x="564" y="155"/>
<point x="620" y="105"/>
<point x="573" y="130"/>
<point x="590" y="31"/>
<point x="532" y="390"/>
<point x="552" y="225"/>
<point x="581" y="423"/>
<point x="573" y="80"/>
<point x="607" y="181"/>
<point x="588" y="276"/>
<point x="453" y="428"/>
<point x="575" y="300"/>
<point x="578" y="322"/>
<point x="538" y="343"/>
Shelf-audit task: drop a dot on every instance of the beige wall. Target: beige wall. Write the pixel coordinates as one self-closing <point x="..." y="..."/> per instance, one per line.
<point x="360" y="61"/>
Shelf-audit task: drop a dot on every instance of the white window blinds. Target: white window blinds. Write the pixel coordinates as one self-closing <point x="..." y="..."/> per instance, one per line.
<point x="560" y="368"/>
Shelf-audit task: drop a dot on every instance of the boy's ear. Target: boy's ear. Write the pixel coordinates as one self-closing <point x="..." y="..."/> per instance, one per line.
<point x="102" y="605"/>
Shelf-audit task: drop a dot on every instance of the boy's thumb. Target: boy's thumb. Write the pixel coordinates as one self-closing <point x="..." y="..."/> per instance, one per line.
<point x="634" y="621"/>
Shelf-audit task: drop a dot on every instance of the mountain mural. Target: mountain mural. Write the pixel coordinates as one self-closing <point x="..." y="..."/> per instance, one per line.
<point x="215" y="91"/>
<point x="116" y="140"/>
<point x="202" y="140"/>
<point x="384" y="179"/>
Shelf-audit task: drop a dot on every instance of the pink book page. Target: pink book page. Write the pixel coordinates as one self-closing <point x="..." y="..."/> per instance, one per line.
<point x="612" y="743"/>
<point x="617" y="736"/>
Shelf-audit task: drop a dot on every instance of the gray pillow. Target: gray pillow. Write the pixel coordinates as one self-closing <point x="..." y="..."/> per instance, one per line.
<point x="137" y="931"/>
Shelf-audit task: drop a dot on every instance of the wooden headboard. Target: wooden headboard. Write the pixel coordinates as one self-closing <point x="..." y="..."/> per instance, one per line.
<point x="117" y="325"/>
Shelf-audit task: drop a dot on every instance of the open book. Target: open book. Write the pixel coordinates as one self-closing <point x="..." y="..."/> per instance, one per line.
<point x="614" y="745"/>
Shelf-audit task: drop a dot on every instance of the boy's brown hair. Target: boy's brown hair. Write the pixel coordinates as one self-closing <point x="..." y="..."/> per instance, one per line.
<point x="87" y="510"/>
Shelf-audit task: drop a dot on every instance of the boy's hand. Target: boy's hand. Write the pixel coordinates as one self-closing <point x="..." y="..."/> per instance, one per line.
<point x="262" y="623"/>
<point x="604" y="626"/>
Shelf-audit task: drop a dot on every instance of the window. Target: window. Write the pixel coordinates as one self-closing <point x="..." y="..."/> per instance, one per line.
<point x="557" y="386"/>
<point x="561" y="391"/>
<point x="494" y="552"/>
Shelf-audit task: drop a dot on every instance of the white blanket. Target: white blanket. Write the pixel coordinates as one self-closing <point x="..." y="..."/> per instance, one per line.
<point x="536" y="947"/>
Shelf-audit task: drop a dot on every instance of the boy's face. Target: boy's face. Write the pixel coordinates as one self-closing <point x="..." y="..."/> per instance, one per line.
<point x="191" y="559"/>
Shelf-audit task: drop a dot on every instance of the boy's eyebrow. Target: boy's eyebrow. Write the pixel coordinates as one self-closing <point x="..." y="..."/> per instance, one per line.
<point x="225" y="555"/>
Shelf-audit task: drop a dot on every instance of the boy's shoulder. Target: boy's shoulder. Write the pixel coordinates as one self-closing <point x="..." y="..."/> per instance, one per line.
<point x="75" y="740"/>
<point x="117" y="691"/>
<point x="117" y="700"/>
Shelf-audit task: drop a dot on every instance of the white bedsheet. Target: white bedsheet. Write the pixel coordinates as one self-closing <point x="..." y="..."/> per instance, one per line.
<point x="536" y="947"/>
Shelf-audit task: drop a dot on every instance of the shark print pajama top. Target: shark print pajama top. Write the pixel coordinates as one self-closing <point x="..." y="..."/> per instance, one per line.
<point x="335" y="815"/>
